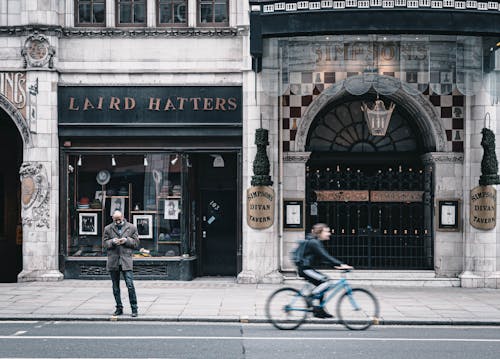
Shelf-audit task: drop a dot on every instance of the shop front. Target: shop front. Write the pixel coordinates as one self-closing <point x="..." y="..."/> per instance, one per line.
<point x="169" y="159"/>
<point x="380" y="176"/>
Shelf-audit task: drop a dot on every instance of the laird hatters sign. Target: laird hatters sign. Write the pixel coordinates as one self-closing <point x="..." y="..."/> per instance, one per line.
<point x="260" y="207"/>
<point x="483" y="212"/>
<point x="150" y="104"/>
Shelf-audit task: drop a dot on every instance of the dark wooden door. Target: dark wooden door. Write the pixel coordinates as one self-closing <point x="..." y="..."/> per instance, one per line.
<point x="217" y="215"/>
<point x="218" y="232"/>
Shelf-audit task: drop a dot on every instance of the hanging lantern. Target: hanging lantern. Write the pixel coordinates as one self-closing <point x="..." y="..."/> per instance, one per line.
<point x="378" y="117"/>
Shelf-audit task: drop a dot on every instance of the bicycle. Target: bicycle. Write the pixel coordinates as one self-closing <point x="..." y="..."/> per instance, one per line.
<point x="357" y="308"/>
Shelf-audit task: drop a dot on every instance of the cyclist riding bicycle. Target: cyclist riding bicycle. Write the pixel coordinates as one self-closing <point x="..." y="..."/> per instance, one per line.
<point x="314" y="254"/>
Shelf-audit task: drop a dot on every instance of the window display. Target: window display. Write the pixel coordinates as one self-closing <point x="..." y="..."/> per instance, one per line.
<point x="147" y="189"/>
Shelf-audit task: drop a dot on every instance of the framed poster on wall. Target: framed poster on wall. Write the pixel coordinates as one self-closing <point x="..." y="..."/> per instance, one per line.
<point x="87" y="224"/>
<point x="144" y="224"/>
<point x="448" y="214"/>
<point x="293" y="214"/>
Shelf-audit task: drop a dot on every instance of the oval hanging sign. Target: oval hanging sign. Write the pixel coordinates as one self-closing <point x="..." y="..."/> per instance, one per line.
<point x="483" y="211"/>
<point x="260" y="207"/>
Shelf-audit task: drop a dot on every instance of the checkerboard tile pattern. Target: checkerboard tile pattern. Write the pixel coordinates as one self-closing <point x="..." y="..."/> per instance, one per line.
<point x="306" y="86"/>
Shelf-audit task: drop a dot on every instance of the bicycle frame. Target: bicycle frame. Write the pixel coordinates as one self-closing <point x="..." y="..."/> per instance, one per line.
<point x="333" y="288"/>
<point x="336" y="287"/>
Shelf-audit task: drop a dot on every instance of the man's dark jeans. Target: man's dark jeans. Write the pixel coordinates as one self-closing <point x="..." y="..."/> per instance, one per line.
<point x="129" y="281"/>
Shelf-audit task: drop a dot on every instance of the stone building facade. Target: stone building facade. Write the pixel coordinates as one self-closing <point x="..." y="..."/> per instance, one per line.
<point x="57" y="53"/>
<point x="318" y="63"/>
<point x="154" y="108"/>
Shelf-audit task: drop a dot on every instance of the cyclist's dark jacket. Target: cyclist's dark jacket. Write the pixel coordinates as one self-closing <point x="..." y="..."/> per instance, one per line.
<point x="315" y="254"/>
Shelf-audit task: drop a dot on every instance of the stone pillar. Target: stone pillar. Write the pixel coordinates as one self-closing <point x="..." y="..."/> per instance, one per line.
<point x="39" y="175"/>
<point x="481" y="246"/>
<point x="294" y="187"/>
<point x="260" y="246"/>
<point x="447" y="171"/>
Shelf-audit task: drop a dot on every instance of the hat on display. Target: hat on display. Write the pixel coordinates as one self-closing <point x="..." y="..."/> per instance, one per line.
<point x="103" y="177"/>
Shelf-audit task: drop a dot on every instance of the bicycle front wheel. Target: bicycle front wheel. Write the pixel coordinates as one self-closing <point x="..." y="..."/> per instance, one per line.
<point x="286" y="309"/>
<point x="358" y="309"/>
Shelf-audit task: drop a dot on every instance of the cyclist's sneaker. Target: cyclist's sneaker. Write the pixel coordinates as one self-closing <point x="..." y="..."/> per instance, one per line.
<point x="320" y="312"/>
<point x="309" y="300"/>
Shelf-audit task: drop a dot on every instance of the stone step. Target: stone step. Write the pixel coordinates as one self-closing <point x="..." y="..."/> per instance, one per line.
<point x="410" y="278"/>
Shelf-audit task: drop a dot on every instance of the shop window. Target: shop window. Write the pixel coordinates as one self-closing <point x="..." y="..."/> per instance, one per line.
<point x="147" y="189"/>
<point x="213" y="12"/>
<point x="90" y="12"/>
<point x="131" y="12"/>
<point x="172" y="12"/>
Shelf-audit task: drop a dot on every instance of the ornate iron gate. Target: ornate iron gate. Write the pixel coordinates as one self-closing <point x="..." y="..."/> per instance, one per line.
<point x="380" y="215"/>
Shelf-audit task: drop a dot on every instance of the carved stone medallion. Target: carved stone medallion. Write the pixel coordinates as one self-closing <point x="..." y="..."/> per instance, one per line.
<point x="37" y="51"/>
<point x="35" y="190"/>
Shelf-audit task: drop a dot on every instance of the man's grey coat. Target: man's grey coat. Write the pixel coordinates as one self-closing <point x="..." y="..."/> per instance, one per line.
<point x="123" y="251"/>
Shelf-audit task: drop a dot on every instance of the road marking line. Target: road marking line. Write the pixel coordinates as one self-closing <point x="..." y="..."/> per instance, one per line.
<point x="59" y="337"/>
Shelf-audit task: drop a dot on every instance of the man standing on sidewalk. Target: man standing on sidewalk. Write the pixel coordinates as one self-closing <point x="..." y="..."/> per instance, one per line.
<point x="120" y="239"/>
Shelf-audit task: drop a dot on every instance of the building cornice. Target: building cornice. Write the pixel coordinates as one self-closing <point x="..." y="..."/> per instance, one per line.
<point x="294" y="6"/>
<point x="77" y="32"/>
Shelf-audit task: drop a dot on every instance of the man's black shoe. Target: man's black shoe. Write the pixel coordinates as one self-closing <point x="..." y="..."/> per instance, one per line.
<point x="134" y="314"/>
<point x="118" y="311"/>
<point x="320" y="312"/>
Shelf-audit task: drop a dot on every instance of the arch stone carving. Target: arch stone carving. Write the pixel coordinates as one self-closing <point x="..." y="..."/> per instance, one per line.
<point x="418" y="107"/>
<point x="18" y="119"/>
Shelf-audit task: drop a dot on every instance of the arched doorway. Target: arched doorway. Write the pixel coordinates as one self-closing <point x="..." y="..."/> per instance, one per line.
<point x="10" y="213"/>
<point x="373" y="191"/>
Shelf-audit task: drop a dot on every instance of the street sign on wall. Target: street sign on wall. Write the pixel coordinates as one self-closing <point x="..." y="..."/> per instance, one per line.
<point x="260" y="207"/>
<point x="483" y="211"/>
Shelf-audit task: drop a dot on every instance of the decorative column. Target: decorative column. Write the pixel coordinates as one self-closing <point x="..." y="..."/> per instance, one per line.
<point x="481" y="237"/>
<point x="39" y="174"/>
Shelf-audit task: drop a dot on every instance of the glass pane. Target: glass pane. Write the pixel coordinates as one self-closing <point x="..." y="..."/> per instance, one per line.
<point x="165" y="14"/>
<point x="125" y="14"/>
<point x="84" y="13"/>
<point x="221" y="12"/>
<point x="180" y="12"/>
<point x="99" y="13"/>
<point x="139" y="13"/>
<point x="169" y="203"/>
<point x="147" y="189"/>
<point x="205" y="13"/>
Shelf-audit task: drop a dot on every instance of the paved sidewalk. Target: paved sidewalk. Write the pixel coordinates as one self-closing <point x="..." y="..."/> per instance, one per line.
<point x="224" y="300"/>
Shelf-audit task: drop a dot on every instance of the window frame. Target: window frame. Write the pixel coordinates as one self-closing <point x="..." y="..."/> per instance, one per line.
<point x="211" y="24"/>
<point x="130" y="24"/>
<point x="87" y="24"/>
<point x="176" y="24"/>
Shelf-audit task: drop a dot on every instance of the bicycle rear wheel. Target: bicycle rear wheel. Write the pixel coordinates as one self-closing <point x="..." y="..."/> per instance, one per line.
<point x="286" y="309"/>
<point x="358" y="309"/>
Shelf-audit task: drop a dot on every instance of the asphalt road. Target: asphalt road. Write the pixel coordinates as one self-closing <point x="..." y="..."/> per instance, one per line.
<point x="32" y="339"/>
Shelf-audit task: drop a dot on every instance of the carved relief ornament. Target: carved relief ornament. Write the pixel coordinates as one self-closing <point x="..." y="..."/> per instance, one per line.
<point x="35" y="190"/>
<point x="37" y="51"/>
